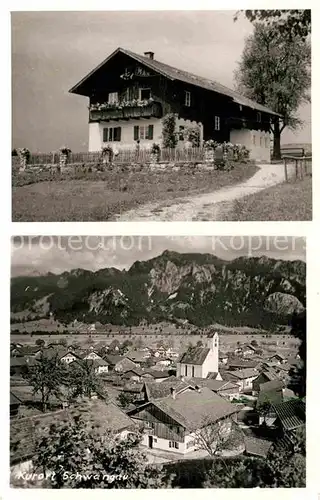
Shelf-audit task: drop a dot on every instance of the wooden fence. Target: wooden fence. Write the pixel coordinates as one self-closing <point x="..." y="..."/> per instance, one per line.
<point x="124" y="156"/>
<point x="302" y="166"/>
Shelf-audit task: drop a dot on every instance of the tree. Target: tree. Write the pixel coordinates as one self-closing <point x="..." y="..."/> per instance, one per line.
<point x="78" y="456"/>
<point x="217" y="437"/>
<point x="199" y="343"/>
<point x="125" y="399"/>
<point x="82" y="380"/>
<point x="289" y="23"/>
<point x="276" y="72"/>
<point x="46" y="377"/>
<point x="298" y="373"/>
<point x="263" y="410"/>
<point x="283" y="468"/>
<point x="40" y="342"/>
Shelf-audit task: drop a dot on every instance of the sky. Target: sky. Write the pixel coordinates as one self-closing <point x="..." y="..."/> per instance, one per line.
<point x="39" y="255"/>
<point x="52" y="51"/>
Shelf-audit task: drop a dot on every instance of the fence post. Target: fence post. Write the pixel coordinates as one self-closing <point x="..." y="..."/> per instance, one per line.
<point x="285" y="169"/>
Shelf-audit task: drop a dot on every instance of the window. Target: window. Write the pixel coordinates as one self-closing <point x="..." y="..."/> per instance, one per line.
<point x="181" y="133"/>
<point x="186" y="370"/>
<point x="187" y="98"/>
<point x="266" y="142"/>
<point x="144" y="94"/>
<point x="143" y="132"/>
<point x="112" y="97"/>
<point x="217" y="122"/>
<point x="258" y="117"/>
<point x="261" y="139"/>
<point x="193" y="371"/>
<point x="111" y="134"/>
<point x="253" y="139"/>
<point x="173" y="444"/>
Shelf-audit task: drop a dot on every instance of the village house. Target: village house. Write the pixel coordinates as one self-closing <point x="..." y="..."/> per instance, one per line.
<point x="278" y="358"/>
<point x="90" y="354"/>
<point x="106" y="416"/>
<point x="129" y="94"/>
<point x="243" y="378"/>
<point x="263" y="377"/>
<point x="200" y="361"/>
<point x="138" y="357"/>
<point x="172" y="423"/>
<point x="156" y="375"/>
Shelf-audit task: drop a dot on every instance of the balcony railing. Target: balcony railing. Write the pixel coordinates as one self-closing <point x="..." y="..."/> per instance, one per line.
<point x="125" y="112"/>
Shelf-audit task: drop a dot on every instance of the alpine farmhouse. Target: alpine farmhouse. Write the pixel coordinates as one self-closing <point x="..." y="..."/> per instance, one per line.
<point x="129" y="94"/>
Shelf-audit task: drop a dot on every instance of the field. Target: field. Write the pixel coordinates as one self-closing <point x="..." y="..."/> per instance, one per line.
<point x="100" y="196"/>
<point x="289" y="202"/>
<point x="176" y="339"/>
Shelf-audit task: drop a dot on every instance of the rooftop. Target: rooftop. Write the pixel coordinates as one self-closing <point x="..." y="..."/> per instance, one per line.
<point x="194" y="409"/>
<point x="194" y="356"/>
<point x="105" y="416"/>
<point x="292" y="414"/>
<point x="177" y="74"/>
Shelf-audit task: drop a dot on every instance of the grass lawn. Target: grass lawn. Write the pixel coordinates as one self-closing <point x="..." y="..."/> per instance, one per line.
<point x="288" y="201"/>
<point x="100" y="196"/>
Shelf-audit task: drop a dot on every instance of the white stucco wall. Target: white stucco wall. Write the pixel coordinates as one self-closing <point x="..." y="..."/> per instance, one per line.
<point x="127" y="133"/>
<point x="257" y="141"/>
<point x="163" y="444"/>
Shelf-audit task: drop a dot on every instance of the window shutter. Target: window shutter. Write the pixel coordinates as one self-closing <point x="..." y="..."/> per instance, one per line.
<point x="105" y="135"/>
<point x="150" y="132"/>
<point x="117" y="134"/>
<point x="136" y="132"/>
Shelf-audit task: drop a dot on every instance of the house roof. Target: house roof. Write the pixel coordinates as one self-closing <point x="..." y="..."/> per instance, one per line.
<point x="271" y="385"/>
<point x="195" y="409"/>
<point x="242" y="363"/>
<point x="126" y="364"/>
<point x="278" y="355"/>
<point x="194" y="356"/>
<point x="213" y="385"/>
<point x="136" y="356"/>
<point x="157" y="373"/>
<point x="270" y="374"/>
<point x="292" y="413"/>
<point x="257" y="447"/>
<point x="112" y="359"/>
<point x="157" y="390"/>
<point x="245" y="373"/>
<point x="28" y="350"/>
<point x="177" y="74"/>
<point x="135" y="370"/>
<point x="105" y="416"/>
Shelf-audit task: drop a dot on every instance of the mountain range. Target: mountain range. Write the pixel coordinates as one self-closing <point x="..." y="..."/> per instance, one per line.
<point x="178" y="287"/>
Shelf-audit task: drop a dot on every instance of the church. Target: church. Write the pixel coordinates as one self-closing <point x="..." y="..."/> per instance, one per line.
<point x="201" y="362"/>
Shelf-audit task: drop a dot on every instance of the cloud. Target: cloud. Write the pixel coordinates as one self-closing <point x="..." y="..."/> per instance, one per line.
<point x="43" y="254"/>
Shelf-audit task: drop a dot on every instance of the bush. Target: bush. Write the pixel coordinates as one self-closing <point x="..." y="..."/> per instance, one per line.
<point x="169" y="135"/>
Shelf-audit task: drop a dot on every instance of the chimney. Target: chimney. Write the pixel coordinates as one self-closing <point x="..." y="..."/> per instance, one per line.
<point x="149" y="54"/>
<point x="173" y="392"/>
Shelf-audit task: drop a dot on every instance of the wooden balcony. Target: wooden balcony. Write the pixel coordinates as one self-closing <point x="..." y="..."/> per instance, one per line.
<point x="153" y="110"/>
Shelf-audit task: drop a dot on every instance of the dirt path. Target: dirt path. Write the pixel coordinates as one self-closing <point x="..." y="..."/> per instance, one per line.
<point x="209" y="206"/>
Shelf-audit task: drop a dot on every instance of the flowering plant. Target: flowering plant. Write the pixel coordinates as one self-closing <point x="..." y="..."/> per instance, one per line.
<point x="124" y="103"/>
<point x="155" y="149"/>
<point x="211" y="144"/>
<point x="64" y="150"/>
<point x="24" y="153"/>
